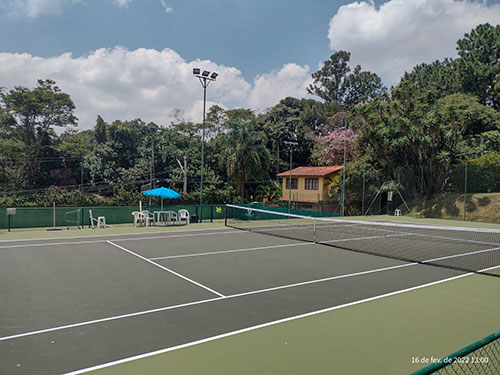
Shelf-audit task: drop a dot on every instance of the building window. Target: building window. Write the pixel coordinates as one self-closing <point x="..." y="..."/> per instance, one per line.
<point x="295" y="184"/>
<point x="312" y="183"/>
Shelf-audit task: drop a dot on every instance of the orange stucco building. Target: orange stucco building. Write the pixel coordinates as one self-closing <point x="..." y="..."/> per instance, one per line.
<point x="308" y="184"/>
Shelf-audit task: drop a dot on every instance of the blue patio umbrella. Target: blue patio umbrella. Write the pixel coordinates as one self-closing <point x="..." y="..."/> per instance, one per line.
<point x="162" y="192"/>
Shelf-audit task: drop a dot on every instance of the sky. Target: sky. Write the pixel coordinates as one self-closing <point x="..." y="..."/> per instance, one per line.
<point x="128" y="59"/>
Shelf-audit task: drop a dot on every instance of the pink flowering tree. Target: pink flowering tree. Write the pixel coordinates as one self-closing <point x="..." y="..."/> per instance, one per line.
<point x="329" y="149"/>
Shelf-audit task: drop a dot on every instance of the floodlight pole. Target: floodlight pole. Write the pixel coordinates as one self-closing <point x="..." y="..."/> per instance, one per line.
<point x="205" y="81"/>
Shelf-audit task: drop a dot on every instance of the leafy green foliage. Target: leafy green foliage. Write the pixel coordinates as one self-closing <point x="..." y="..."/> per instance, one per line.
<point x="483" y="175"/>
<point x="333" y="83"/>
<point x="479" y="63"/>
<point x="419" y="136"/>
<point x="245" y="153"/>
<point x="30" y="115"/>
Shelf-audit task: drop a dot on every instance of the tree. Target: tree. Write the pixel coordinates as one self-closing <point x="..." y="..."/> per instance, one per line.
<point x="334" y="83"/>
<point x="418" y="139"/>
<point x="100" y="130"/>
<point x="329" y="80"/>
<point x="361" y="87"/>
<point x="479" y="63"/>
<point x="245" y="153"/>
<point x="330" y="148"/>
<point x="216" y="121"/>
<point x="35" y="113"/>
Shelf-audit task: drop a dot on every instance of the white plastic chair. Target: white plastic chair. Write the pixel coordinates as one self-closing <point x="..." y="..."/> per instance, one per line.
<point x="100" y="221"/>
<point x="171" y="217"/>
<point x="183" y="215"/>
<point x="138" y="218"/>
<point x="148" y="217"/>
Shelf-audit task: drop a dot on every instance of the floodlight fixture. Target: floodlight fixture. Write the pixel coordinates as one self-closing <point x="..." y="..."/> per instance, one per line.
<point x="214" y="75"/>
<point x="196" y="70"/>
<point x="205" y="73"/>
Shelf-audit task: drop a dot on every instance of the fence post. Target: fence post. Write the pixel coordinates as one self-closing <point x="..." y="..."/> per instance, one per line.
<point x="465" y="191"/>
<point x="363" y="199"/>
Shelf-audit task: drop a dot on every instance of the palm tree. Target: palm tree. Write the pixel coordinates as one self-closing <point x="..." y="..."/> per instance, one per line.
<point x="263" y="192"/>
<point x="334" y="184"/>
<point x="245" y="152"/>
<point x="276" y="191"/>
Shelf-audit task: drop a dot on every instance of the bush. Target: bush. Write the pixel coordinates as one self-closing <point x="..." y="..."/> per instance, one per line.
<point x="483" y="175"/>
<point x="61" y="197"/>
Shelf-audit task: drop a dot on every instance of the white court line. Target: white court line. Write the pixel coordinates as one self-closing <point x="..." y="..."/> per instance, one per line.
<point x="110" y="318"/>
<point x="428" y="235"/>
<point x="178" y="235"/>
<point x="118" y="239"/>
<point x="322" y="280"/>
<point x="462" y="255"/>
<point x="233" y="333"/>
<point x="266" y="247"/>
<point x="233" y="250"/>
<point x="197" y="303"/>
<point x="167" y="269"/>
<point x="113" y="235"/>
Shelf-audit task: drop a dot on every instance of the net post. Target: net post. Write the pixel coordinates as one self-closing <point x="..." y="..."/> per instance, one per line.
<point x="225" y="216"/>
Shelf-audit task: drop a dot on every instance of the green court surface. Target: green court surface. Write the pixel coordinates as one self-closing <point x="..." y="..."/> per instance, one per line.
<point x="210" y="299"/>
<point x="116" y="229"/>
<point x="381" y="336"/>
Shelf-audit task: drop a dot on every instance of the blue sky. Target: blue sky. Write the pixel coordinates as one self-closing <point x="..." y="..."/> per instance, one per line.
<point x="124" y="59"/>
<point x="255" y="36"/>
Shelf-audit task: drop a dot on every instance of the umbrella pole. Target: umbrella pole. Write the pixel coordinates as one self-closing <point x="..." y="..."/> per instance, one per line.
<point x="162" y="203"/>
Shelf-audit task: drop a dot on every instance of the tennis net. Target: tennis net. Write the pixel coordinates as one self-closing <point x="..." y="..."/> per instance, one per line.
<point x="464" y="249"/>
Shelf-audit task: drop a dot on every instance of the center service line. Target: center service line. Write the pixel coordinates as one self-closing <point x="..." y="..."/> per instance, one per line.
<point x="167" y="269"/>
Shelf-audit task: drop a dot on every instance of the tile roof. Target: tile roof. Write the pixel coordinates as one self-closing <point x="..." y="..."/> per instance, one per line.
<point x="311" y="171"/>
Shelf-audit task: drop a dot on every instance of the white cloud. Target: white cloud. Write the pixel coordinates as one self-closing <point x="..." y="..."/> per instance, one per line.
<point x="122" y="3"/>
<point x="400" y="34"/>
<point x="33" y="8"/>
<point x="270" y="88"/>
<point x="166" y="7"/>
<point x="36" y="8"/>
<point x="119" y="84"/>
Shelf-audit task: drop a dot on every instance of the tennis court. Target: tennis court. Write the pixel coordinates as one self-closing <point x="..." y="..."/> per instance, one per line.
<point x="71" y="305"/>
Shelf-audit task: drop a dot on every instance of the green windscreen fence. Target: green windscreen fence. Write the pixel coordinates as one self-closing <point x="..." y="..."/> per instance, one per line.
<point x="481" y="357"/>
<point x="39" y="217"/>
